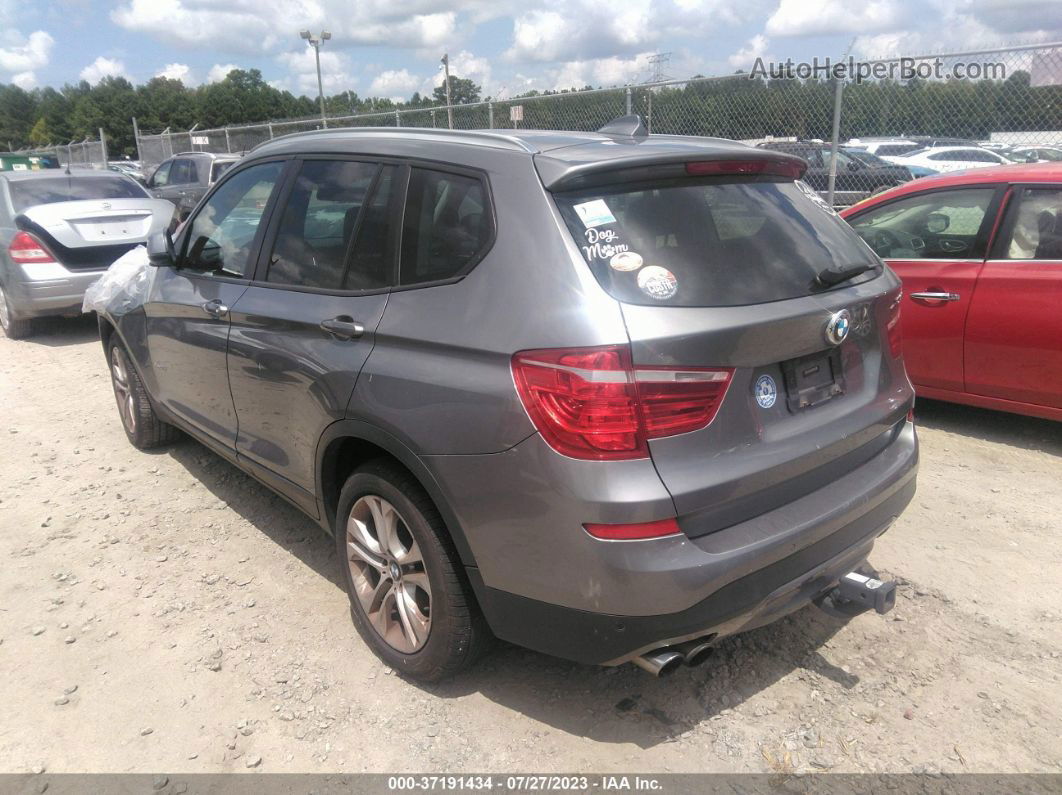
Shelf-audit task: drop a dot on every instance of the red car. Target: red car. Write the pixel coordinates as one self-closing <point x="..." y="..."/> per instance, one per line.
<point x="980" y="256"/>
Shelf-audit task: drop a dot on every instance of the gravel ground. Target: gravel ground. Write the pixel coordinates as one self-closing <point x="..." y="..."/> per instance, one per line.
<point x="164" y="612"/>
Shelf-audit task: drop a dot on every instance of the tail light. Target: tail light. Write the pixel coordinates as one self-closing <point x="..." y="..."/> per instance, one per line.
<point x="776" y="168"/>
<point x="893" y="328"/>
<point x="593" y="404"/>
<point x="25" y="249"/>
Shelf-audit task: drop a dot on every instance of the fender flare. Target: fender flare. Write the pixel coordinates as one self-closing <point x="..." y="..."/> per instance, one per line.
<point x="357" y="429"/>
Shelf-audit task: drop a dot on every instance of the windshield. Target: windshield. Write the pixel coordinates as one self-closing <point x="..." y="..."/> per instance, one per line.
<point x="707" y="243"/>
<point x="31" y="192"/>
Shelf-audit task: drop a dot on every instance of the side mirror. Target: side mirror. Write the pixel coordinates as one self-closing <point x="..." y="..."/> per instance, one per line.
<point x="937" y="223"/>
<point x="854" y="166"/>
<point x="160" y="250"/>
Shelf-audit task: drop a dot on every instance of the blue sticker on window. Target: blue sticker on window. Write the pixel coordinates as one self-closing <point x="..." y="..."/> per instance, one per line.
<point x="766" y="391"/>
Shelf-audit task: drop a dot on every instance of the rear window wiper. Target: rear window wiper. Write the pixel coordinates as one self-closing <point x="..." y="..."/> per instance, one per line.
<point x="830" y="278"/>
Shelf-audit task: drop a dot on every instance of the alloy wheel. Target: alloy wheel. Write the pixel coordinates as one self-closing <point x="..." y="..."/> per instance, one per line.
<point x="123" y="391"/>
<point x="389" y="574"/>
<point x="5" y="313"/>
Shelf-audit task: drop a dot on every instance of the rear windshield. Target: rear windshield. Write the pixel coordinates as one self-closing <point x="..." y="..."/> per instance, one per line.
<point x="31" y="192"/>
<point x="702" y="243"/>
<point x="218" y="168"/>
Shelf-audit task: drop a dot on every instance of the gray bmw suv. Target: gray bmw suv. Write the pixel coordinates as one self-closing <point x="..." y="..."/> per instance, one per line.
<point x="609" y="396"/>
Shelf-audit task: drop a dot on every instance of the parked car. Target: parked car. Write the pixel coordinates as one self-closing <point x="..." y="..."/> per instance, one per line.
<point x="952" y="158"/>
<point x="59" y="232"/>
<point x="129" y="169"/>
<point x="980" y="256"/>
<point x="872" y="160"/>
<point x="1051" y="154"/>
<point x="884" y="147"/>
<point x="855" y="178"/>
<point x="612" y="403"/>
<point x="186" y="177"/>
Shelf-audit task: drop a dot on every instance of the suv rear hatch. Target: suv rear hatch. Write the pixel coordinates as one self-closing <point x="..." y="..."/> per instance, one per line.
<point x="716" y="264"/>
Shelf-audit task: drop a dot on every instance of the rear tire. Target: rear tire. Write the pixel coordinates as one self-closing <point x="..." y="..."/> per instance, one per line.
<point x="16" y="328"/>
<point x="141" y="424"/>
<point x="409" y="599"/>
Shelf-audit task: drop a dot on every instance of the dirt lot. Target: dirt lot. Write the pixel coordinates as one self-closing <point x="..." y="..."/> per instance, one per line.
<point x="164" y="612"/>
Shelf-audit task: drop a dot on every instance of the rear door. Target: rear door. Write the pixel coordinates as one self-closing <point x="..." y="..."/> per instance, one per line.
<point x="1014" y="331"/>
<point x="935" y="241"/>
<point x="187" y="312"/>
<point x="303" y="330"/>
<point x="719" y="274"/>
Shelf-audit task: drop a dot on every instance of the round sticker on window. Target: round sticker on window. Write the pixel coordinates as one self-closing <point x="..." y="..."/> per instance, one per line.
<point x="657" y="282"/>
<point x="626" y="261"/>
<point x="766" y="391"/>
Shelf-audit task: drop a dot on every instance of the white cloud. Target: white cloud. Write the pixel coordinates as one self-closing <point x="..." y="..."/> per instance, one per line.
<point x="177" y="71"/>
<point x="26" y="54"/>
<point x="823" y="17"/>
<point x="103" y="67"/>
<point x="464" y="65"/>
<point x="397" y="84"/>
<point x="220" y="71"/>
<point x="756" y="47"/>
<point x="249" y="26"/>
<point x="603" y="72"/>
<point x="582" y="28"/>
<point x="335" y="71"/>
<point x="25" y="80"/>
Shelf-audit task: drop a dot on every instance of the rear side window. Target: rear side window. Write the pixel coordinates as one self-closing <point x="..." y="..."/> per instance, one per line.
<point x="30" y="193"/>
<point x="182" y="173"/>
<point x="710" y="243"/>
<point x="447" y="226"/>
<point x="1036" y="232"/>
<point x="317" y="231"/>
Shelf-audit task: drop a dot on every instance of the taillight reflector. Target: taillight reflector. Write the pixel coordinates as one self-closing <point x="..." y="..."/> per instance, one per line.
<point x="24" y="249"/>
<point x="777" y="168"/>
<point x="592" y="403"/>
<point x="633" y="532"/>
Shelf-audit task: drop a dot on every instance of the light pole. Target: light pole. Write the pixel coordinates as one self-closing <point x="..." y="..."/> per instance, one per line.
<point x="316" y="44"/>
<point x="449" y="104"/>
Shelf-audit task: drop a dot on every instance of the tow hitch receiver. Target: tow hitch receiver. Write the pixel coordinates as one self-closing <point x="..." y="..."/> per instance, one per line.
<point x="857" y="593"/>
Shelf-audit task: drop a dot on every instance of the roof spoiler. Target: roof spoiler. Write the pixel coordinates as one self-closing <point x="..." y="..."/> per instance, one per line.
<point x="630" y="126"/>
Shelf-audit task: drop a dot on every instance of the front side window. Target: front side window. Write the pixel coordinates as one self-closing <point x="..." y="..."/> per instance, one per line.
<point x="319" y="222"/>
<point x="221" y="234"/>
<point x="939" y="225"/>
<point x="1037" y="230"/>
<point x="709" y="242"/>
<point x="447" y="226"/>
<point x="161" y="177"/>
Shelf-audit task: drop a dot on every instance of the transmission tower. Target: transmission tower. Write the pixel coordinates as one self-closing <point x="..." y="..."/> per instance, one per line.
<point x="658" y="63"/>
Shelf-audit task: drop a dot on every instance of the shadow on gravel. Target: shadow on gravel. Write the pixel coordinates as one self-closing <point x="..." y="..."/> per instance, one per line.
<point x="627" y="705"/>
<point x="614" y="705"/>
<point x="1001" y="427"/>
<point x="59" y="332"/>
<point x="274" y="518"/>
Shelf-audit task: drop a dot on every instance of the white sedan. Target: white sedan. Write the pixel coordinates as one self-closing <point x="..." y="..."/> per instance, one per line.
<point x="951" y="158"/>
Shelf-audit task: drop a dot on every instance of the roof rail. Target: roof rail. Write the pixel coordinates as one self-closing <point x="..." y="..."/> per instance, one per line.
<point x="512" y="140"/>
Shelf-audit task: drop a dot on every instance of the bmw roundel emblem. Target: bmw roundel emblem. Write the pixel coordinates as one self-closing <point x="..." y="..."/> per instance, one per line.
<point x="766" y="391"/>
<point x="838" y="327"/>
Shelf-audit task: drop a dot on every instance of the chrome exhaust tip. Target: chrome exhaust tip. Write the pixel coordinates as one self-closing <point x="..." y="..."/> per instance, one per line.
<point x="697" y="652"/>
<point x="660" y="662"/>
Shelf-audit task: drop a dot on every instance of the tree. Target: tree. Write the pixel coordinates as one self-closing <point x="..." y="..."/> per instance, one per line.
<point x="41" y="134"/>
<point x="462" y="91"/>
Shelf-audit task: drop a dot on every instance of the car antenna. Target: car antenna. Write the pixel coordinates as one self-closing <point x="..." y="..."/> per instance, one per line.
<point x="630" y="126"/>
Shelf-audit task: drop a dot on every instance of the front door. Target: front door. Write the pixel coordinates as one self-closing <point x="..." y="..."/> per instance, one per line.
<point x="935" y="242"/>
<point x="1014" y="332"/>
<point x="302" y="333"/>
<point x="187" y="312"/>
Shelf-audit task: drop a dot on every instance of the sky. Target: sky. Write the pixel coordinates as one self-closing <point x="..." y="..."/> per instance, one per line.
<point x="391" y="48"/>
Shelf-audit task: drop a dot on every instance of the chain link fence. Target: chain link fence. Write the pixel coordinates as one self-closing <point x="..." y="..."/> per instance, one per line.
<point x="863" y="129"/>
<point x="87" y="153"/>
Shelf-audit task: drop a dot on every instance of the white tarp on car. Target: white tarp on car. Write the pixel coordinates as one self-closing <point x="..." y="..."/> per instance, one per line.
<point x="123" y="287"/>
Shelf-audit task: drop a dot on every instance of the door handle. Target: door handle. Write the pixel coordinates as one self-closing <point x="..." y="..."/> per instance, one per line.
<point x="934" y="296"/>
<point x="343" y="327"/>
<point x="215" y="308"/>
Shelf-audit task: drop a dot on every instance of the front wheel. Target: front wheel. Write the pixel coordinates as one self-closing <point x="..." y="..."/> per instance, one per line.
<point x="141" y="424"/>
<point x="408" y="597"/>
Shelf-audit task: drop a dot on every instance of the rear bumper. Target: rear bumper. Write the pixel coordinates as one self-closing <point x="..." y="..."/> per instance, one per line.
<point x="546" y="584"/>
<point x="60" y="296"/>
